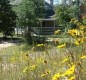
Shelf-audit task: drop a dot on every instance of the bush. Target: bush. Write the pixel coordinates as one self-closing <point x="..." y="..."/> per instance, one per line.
<point x="39" y="39"/>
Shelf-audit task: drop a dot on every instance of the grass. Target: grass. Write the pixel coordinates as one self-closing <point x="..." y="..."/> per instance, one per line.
<point x="35" y="64"/>
<point x="9" y="70"/>
<point x="60" y="59"/>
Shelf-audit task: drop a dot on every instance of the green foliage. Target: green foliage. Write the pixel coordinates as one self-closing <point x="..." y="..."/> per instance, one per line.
<point x="29" y="11"/>
<point x="84" y="20"/>
<point x="7" y="18"/>
<point x="74" y="11"/>
<point x="62" y="14"/>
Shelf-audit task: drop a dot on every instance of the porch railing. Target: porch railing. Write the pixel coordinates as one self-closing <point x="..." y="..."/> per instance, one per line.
<point x="46" y="30"/>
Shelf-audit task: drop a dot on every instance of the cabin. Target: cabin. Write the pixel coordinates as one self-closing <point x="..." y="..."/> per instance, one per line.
<point x="47" y="23"/>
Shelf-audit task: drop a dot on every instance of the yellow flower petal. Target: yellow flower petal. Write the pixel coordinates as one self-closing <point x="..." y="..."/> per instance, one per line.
<point x="61" y="46"/>
<point x="65" y="60"/>
<point x="72" y="78"/>
<point x="83" y="57"/>
<point x="25" y="70"/>
<point x="79" y="41"/>
<point x="57" y="32"/>
<point x="70" y="70"/>
<point x="56" y="76"/>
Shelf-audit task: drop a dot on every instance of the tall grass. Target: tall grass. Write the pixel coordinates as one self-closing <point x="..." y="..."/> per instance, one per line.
<point x="40" y="62"/>
<point x="60" y="59"/>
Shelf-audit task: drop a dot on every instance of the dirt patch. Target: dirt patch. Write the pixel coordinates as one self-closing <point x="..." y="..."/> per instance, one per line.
<point x="6" y="44"/>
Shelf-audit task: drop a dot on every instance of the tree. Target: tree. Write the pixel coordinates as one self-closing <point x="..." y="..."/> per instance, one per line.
<point x="65" y="12"/>
<point x="28" y="13"/>
<point x="7" y="18"/>
<point x="83" y="7"/>
<point x="62" y="13"/>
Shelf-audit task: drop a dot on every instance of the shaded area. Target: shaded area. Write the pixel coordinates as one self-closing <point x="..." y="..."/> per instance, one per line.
<point x="10" y="40"/>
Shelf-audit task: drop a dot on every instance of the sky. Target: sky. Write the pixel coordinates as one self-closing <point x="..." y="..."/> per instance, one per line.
<point x="55" y="1"/>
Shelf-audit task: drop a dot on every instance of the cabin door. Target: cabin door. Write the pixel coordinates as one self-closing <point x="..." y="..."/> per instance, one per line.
<point x="48" y="24"/>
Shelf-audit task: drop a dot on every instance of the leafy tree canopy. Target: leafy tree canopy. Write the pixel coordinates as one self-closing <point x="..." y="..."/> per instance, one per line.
<point x="62" y="13"/>
<point x="28" y="11"/>
<point x="7" y="18"/>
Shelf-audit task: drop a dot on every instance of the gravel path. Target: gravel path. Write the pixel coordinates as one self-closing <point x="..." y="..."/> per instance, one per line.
<point x="6" y="44"/>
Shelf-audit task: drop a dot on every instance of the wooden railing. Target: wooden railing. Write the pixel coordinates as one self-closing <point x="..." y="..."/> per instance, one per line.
<point x="46" y="30"/>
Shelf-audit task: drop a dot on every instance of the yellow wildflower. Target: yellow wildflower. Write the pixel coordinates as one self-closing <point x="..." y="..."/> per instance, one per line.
<point x="82" y="27"/>
<point x="25" y="56"/>
<point x="69" y="71"/>
<point x="72" y="78"/>
<point x="79" y="41"/>
<point x="78" y="23"/>
<point x="42" y="75"/>
<point x="83" y="57"/>
<point x="57" y="32"/>
<point x="62" y="45"/>
<point x="73" y="32"/>
<point x="75" y="21"/>
<point x="40" y="60"/>
<point x="33" y="67"/>
<point x="65" y="60"/>
<point x="40" y="45"/>
<point x="56" y="76"/>
<point x="46" y="73"/>
<point x="81" y="33"/>
<point x="13" y="59"/>
<point x="29" y="68"/>
<point x="25" y="69"/>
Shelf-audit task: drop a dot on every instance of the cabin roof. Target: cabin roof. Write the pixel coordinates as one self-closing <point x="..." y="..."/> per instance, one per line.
<point x="48" y="10"/>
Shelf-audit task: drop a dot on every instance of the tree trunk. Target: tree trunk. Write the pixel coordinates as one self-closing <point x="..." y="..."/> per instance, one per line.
<point x="28" y="37"/>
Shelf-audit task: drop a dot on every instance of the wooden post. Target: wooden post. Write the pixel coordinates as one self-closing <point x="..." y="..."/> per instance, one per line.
<point x="41" y="23"/>
<point x="54" y="25"/>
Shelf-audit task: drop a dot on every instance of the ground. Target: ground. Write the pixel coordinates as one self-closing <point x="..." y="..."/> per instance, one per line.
<point x="6" y="44"/>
